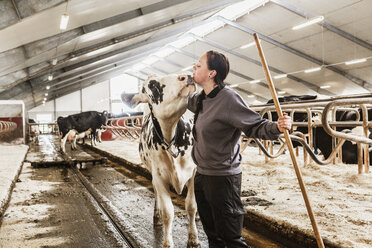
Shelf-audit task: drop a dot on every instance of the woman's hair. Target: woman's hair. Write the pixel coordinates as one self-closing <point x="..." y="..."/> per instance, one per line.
<point x="218" y="62"/>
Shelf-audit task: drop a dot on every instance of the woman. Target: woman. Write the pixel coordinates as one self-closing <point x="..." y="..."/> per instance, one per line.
<point x="220" y="117"/>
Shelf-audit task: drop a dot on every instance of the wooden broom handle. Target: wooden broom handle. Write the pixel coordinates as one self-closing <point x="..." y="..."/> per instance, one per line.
<point x="289" y="143"/>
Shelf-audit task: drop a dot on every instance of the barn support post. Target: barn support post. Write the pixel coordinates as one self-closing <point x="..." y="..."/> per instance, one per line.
<point x="319" y="239"/>
<point x="365" y="132"/>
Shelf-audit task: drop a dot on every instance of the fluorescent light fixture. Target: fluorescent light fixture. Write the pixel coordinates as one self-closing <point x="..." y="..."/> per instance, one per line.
<point x="325" y="86"/>
<point x="248" y="45"/>
<point x="280" y="76"/>
<point x="187" y="68"/>
<point x="254" y="81"/>
<point x="50" y="77"/>
<point x="48" y="87"/>
<point x="64" y="22"/>
<point x="44" y="98"/>
<point x="355" y="61"/>
<point x="250" y="96"/>
<point x="233" y="85"/>
<point x="46" y="94"/>
<point x="308" y="23"/>
<point x="54" y="61"/>
<point x="281" y="92"/>
<point x="313" y="69"/>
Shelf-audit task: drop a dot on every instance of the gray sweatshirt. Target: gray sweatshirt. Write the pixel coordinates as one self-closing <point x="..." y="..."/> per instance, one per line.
<point x="216" y="149"/>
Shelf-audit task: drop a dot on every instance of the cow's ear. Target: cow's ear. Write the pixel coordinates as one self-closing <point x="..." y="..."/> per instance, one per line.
<point x="132" y="100"/>
<point x="139" y="98"/>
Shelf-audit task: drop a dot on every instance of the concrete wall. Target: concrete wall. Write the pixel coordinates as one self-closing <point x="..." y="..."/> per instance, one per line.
<point x="96" y="97"/>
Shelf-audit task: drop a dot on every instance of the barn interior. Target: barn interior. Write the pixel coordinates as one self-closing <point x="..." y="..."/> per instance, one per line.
<point x="62" y="57"/>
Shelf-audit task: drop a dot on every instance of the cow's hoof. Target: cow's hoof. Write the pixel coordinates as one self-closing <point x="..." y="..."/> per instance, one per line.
<point x="193" y="244"/>
<point x="157" y="221"/>
<point x="168" y="245"/>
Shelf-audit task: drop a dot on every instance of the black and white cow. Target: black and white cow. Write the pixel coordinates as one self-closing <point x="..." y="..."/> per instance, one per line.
<point x="298" y="116"/>
<point x="165" y="148"/>
<point x="78" y="123"/>
<point x="323" y="141"/>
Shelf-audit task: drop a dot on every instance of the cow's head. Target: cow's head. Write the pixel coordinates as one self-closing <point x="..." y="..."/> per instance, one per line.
<point x="166" y="94"/>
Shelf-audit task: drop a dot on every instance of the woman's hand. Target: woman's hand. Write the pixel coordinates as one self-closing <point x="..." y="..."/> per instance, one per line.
<point x="284" y="123"/>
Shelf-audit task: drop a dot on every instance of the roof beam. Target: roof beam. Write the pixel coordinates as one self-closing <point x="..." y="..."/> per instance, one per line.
<point x="117" y="67"/>
<point x="328" y="26"/>
<point x="117" y="62"/>
<point x="123" y="38"/>
<point x="307" y="84"/>
<point x="352" y="78"/>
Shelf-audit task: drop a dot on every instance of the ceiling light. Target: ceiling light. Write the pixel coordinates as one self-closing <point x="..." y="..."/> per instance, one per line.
<point x="233" y="85"/>
<point x="44" y="98"/>
<point x="250" y="96"/>
<point x="325" y="86"/>
<point x="64" y="22"/>
<point x="50" y="77"/>
<point x="313" y="69"/>
<point x="355" y="61"/>
<point x="308" y="23"/>
<point x="281" y="92"/>
<point x="280" y="76"/>
<point x="46" y="94"/>
<point x="54" y="61"/>
<point x="254" y="81"/>
<point x="248" y="45"/>
<point x="48" y="87"/>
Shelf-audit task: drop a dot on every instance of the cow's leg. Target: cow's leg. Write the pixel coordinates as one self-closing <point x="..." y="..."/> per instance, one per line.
<point x="99" y="133"/>
<point x="167" y="212"/>
<point x="63" y="141"/>
<point x="73" y="146"/>
<point x="190" y="206"/>
<point x="157" y="216"/>
<point x="93" y="138"/>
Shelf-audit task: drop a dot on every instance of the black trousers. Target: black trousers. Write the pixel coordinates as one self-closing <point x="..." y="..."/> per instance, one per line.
<point x="220" y="209"/>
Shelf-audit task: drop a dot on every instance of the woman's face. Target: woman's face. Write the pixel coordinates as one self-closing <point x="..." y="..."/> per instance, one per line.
<point x="201" y="70"/>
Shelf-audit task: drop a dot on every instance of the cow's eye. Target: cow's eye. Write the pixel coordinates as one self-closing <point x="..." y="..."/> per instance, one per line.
<point x="181" y="78"/>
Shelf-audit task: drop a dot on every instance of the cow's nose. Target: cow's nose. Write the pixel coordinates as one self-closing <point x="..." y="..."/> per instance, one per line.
<point x="182" y="78"/>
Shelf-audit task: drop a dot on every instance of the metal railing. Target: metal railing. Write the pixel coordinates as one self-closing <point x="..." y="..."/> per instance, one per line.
<point x="126" y="127"/>
<point x="7" y="126"/>
<point x="327" y="110"/>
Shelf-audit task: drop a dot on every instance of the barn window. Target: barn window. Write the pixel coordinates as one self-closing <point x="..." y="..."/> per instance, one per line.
<point x="120" y="84"/>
